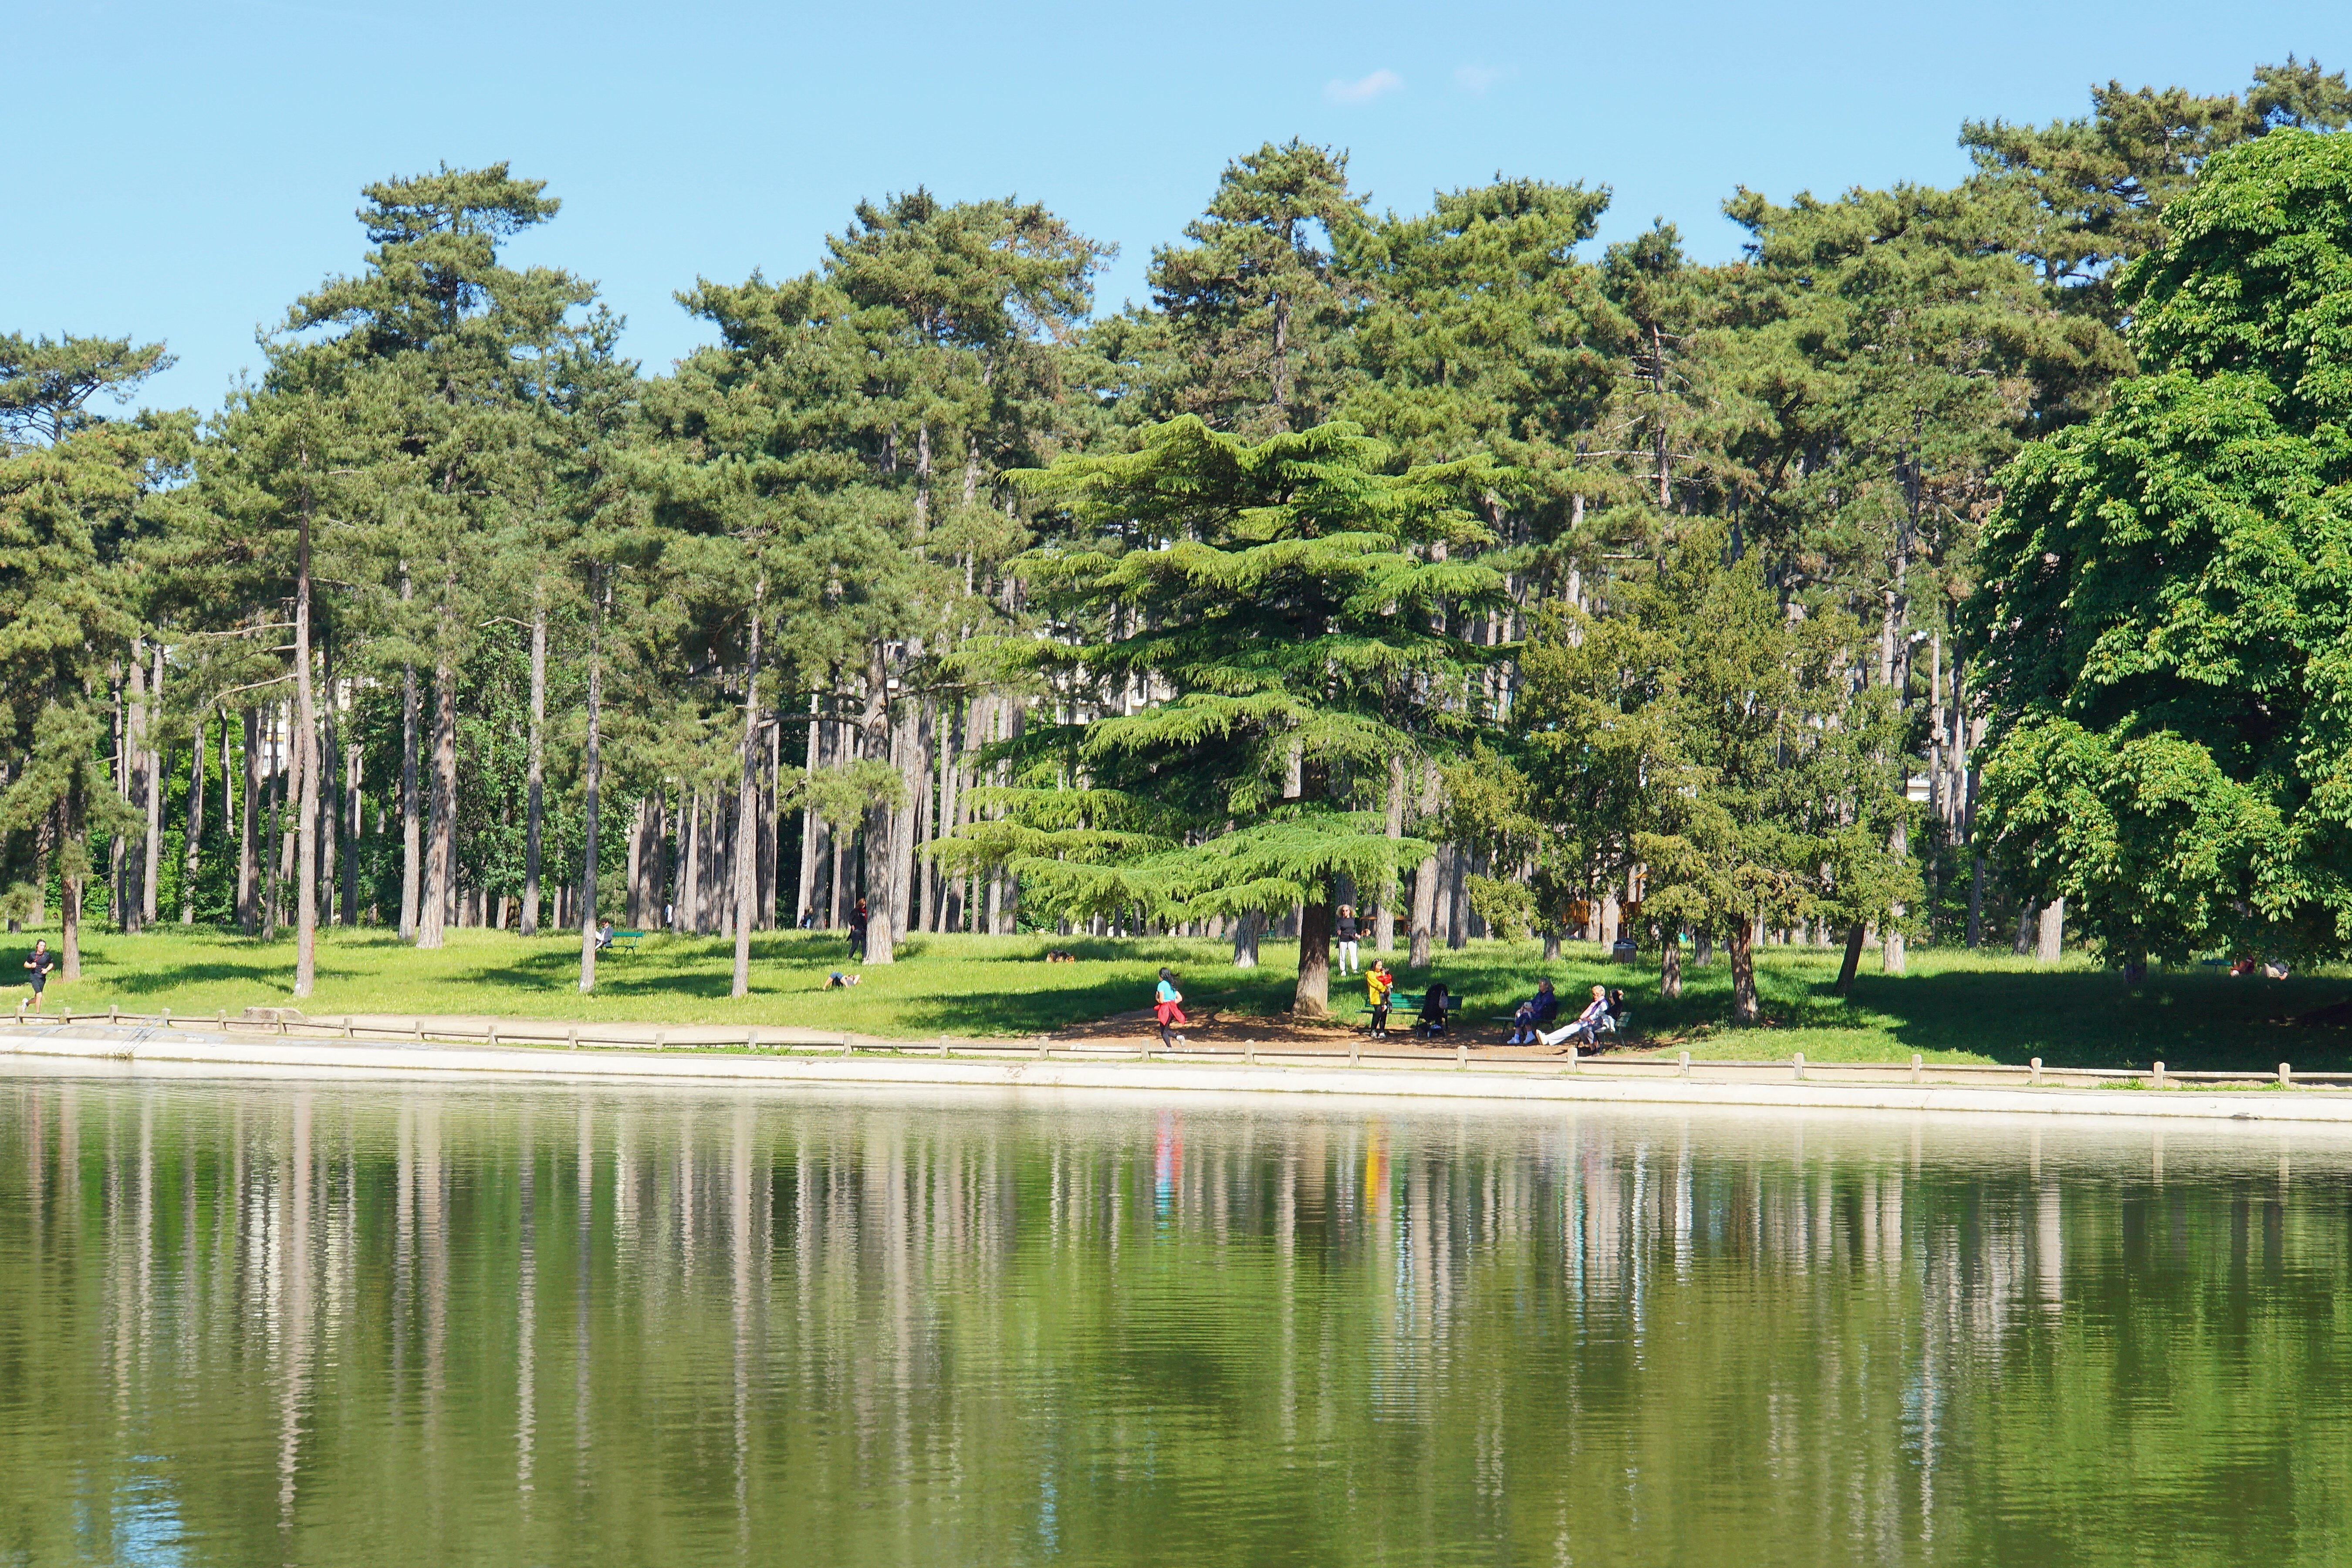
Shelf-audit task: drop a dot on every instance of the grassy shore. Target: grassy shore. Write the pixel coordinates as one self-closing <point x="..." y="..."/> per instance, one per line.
<point x="1953" y="1005"/>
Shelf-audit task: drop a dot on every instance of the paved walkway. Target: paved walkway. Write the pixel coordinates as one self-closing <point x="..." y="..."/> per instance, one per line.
<point x="832" y="1060"/>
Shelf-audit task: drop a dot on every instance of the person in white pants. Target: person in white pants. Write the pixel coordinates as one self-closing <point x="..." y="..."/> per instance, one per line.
<point x="1586" y="1023"/>
<point x="1350" y="962"/>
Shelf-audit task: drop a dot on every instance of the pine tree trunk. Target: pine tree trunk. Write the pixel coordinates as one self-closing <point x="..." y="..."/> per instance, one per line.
<point x="880" y="851"/>
<point x="1384" y="914"/>
<point x="306" y="717"/>
<point x="355" y="803"/>
<point x="1854" y="937"/>
<point x="535" y="788"/>
<point x="410" y="822"/>
<point x="73" y="857"/>
<point x="1890" y="951"/>
<point x="1313" y="998"/>
<point x="191" y="862"/>
<point x="248" y="862"/>
<point x="1743" y="972"/>
<point x="151" y="874"/>
<point x="327" y="817"/>
<point x="747" y="806"/>
<point x="592" y="782"/>
<point x="1245" y="935"/>
<point x="771" y="849"/>
<point x="440" y="823"/>
<point x="130" y="893"/>
<point x="811" y="828"/>
<point x="1425" y="913"/>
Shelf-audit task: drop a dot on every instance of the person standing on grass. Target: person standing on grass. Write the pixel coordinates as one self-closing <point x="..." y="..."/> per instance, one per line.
<point x="857" y="923"/>
<point x="1378" y="983"/>
<point x="1350" y="961"/>
<point x="1168" y="1006"/>
<point x="42" y="961"/>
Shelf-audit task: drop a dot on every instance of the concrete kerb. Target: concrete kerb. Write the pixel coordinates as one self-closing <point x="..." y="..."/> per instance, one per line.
<point x="126" y="1042"/>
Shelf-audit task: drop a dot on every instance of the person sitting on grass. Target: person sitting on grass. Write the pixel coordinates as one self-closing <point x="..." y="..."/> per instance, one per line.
<point x="1432" y="1021"/>
<point x="1168" y="1006"/>
<point x="1586" y="1024"/>
<point x="1378" y="983"/>
<point x="1534" y="1015"/>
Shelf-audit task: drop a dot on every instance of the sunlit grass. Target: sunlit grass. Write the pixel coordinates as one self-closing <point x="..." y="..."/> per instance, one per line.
<point x="1953" y="1005"/>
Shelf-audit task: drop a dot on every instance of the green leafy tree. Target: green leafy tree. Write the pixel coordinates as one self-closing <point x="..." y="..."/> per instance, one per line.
<point x="75" y="492"/>
<point x="1271" y="636"/>
<point x="2164" y="607"/>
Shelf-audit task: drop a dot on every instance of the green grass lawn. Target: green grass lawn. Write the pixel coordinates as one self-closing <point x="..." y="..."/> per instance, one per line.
<point x="1954" y="1005"/>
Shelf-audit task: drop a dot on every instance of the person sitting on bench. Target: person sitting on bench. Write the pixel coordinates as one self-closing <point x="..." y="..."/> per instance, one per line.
<point x="1533" y="1014"/>
<point x="603" y="936"/>
<point x="1586" y="1023"/>
<point x="1432" y="1021"/>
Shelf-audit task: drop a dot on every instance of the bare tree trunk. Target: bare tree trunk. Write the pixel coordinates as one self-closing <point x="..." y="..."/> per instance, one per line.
<point x="248" y="864"/>
<point x="591" y="780"/>
<point x="2049" y="945"/>
<point x="534" y="807"/>
<point x="747" y="808"/>
<point x="1313" y="998"/>
<point x="1743" y="971"/>
<point x="306" y="817"/>
<point x="191" y="861"/>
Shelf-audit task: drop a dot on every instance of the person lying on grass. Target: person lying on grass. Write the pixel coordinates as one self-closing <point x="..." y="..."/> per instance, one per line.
<point x="1586" y="1023"/>
<point x="1168" y="1006"/>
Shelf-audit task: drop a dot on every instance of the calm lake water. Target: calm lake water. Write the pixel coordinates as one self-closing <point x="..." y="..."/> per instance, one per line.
<point x="345" y="1322"/>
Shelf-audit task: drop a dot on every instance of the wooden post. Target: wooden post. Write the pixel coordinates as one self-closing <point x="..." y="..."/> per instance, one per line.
<point x="1915" y="1067"/>
<point x="1799" y="1064"/>
<point x="2286" y="1076"/>
<point x="2035" y="1064"/>
<point x="1685" y="1064"/>
<point x="2160" y="1075"/>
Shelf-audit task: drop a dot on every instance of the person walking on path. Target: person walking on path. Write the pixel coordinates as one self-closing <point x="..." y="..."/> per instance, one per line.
<point x="1378" y="983"/>
<point x="39" y="964"/>
<point x="1350" y="955"/>
<point x="857" y="923"/>
<point x="1168" y="1006"/>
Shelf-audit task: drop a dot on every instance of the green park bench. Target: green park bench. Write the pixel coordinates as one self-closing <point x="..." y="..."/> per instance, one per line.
<point x="627" y="940"/>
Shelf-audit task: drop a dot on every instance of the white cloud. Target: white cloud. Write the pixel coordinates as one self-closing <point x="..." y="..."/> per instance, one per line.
<point x="1478" y="78"/>
<point x="1379" y="84"/>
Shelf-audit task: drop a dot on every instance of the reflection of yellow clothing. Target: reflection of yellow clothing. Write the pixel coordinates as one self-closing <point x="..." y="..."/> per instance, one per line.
<point x="1377" y="987"/>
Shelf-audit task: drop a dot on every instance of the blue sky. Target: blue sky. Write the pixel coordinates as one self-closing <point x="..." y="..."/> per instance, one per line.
<point x="182" y="172"/>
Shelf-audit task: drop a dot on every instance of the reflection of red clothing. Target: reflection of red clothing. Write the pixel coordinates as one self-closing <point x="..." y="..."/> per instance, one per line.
<point x="1168" y="1012"/>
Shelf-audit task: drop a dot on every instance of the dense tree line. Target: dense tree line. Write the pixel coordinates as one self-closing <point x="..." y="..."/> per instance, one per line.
<point x="1423" y="563"/>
